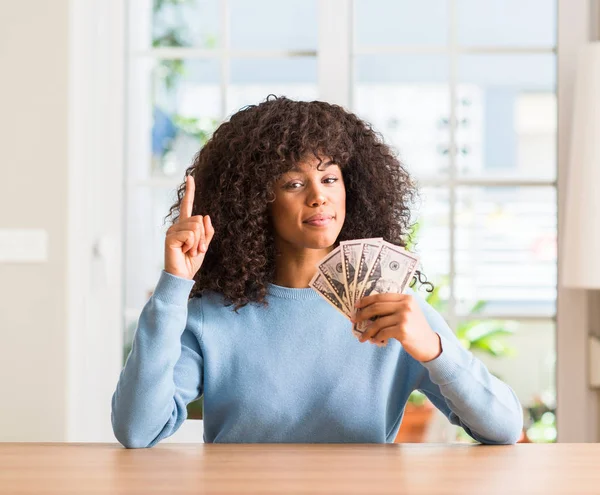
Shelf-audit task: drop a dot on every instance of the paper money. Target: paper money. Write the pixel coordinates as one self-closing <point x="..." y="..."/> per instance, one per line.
<point x="392" y="270"/>
<point x="370" y="248"/>
<point x="332" y="269"/>
<point x="320" y="284"/>
<point x="351" y="251"/>
<point x="360" y="268"/>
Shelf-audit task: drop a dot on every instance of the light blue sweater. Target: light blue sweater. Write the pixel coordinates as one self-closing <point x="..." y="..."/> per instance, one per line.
<point x="291" y="372"/>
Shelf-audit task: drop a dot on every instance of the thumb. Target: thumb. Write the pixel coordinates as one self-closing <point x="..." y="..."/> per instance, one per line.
<point x="208" y="229"/>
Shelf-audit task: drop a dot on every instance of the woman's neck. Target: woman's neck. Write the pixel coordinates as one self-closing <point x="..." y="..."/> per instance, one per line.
<point x="295" y="267"/>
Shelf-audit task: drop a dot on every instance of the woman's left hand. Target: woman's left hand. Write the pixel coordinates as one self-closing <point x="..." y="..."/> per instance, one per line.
<point x="398" y="316"/>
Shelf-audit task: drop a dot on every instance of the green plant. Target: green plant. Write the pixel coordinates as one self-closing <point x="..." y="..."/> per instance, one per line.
<point x="417" y="398"/>
<point x="172" y="36"/>
<point x="195" y="409"/>
<point x="176" y="36"/>
<point x="170" y="72"/>
<point x="486" y="336"/>
<point x="199" y="129"/>
<point x="544" y="429"/>
<point x="542" y="417"/>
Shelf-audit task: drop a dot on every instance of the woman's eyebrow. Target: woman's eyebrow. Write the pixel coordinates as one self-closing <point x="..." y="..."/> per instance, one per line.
<point x="326" y="164"/>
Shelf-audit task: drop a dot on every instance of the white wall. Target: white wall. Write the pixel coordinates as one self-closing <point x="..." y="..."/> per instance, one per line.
<point x="33" y="194"/>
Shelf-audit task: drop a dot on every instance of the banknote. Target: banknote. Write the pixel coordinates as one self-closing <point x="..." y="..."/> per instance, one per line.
<point x="320" y="284"/>
<point x="393" y="268"/>
<point x="332" y="268"/>
<point x="370" y="249"/>
<point x="391" y="271"/>
<point x="351" y="251"/>
<point x="359" y="268"/>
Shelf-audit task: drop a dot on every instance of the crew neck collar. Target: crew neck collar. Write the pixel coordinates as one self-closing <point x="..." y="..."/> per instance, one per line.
<point x="291" y="293"/>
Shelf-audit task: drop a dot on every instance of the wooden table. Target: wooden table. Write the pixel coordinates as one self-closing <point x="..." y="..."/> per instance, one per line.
<point x="282" y="469"/>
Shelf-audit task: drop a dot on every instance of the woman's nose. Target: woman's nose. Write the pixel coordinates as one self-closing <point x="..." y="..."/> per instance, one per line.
<point x="317" y="198"/>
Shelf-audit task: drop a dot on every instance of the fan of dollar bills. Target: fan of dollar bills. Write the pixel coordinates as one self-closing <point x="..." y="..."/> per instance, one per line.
<point x="359" y="268"/>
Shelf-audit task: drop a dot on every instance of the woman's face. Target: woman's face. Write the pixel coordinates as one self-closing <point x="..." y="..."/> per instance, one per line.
<point x="310" y="205"/>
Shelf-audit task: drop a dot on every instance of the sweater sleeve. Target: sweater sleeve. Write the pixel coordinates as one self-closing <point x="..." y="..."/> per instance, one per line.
<point x="163" y="372"/>
<point x="462" y="388"/>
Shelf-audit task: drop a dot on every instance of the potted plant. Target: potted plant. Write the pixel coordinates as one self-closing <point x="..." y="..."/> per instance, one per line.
<point x="542" y="420"/>
<point x="195" y="409"/>
<point x="417" y="416"/>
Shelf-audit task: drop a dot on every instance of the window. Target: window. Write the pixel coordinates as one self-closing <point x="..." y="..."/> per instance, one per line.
<point x="464" y="90"/>
<point x="191" y="64"/>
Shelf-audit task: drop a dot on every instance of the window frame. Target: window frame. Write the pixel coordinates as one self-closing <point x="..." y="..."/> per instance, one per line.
<point x="95" y="284"/>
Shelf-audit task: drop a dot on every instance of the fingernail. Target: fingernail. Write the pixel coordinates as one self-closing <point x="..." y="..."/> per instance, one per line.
<point x="203" y="247"/>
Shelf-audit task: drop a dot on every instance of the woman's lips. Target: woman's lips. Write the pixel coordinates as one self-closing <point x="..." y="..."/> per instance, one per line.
<point x="319" y="222"/>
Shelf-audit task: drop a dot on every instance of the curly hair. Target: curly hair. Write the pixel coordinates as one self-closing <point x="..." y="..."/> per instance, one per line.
<point x="236" y="170"/>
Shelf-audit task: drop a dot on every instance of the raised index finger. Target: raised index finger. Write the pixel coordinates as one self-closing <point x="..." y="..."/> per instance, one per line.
<point x="187" y="202"/>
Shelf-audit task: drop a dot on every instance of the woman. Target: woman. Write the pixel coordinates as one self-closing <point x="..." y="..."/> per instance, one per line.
<point x="232" y="317"/>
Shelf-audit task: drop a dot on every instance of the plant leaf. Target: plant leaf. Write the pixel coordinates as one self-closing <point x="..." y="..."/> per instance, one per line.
<point x="478" y="307"/>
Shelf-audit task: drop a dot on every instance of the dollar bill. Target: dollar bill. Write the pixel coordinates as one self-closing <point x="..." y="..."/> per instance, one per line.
<point x="370" y="249"/>
<point x="351" y="251"/>
<point x="391" y="271"/>
<point x="320" y="284"/>
<point x="332" y="269"/>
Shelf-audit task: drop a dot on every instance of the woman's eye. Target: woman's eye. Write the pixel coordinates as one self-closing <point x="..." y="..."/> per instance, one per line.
<point x="297" y="184"/>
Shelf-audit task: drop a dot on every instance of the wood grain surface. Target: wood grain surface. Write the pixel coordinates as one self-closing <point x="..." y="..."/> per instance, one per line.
<point x="300" y="468"/>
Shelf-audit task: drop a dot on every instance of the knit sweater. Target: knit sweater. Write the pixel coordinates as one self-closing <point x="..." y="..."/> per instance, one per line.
<point x="291" y="372"/>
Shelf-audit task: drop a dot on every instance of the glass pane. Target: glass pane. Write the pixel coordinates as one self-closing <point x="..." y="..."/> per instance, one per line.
<point x="507" y="23"/>
<point x="273" y="25"/>
<point x="526" y="360"/>
<point x="507" y="118"/>
<point x="407" y="99"/>
<point x="506" y="250"/>
<point x="400" y="22"/>
<point x="253" y="80"/>
<point x="191" y="23"/>
<point x="185" y="112"/>
<point x="431" y="241"/>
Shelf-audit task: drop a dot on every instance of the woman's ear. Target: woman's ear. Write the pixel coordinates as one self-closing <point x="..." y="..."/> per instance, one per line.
<point x="270" y="199"/>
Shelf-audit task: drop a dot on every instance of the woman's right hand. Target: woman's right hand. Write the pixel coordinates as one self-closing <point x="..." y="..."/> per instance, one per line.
<point x="188" y="239"/>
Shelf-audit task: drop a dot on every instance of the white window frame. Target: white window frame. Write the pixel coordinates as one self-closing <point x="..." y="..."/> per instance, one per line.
<point x="97" y="123"/>
<point x="578" y="21"/>
<point x="95" y="216"/>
